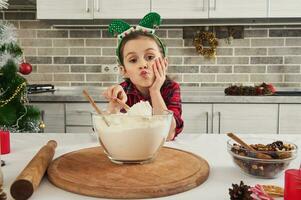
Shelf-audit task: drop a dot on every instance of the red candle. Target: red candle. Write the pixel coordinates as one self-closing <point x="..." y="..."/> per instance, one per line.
<point x="292" y="185"/>
<point x="4" y="142"/>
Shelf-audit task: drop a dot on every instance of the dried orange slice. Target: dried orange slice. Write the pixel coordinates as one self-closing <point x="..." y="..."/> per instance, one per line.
<point x="274" y="190"/>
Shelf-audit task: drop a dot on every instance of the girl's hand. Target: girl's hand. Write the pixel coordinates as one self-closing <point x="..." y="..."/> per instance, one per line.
<point x="111" y="94"/>
<point x="159" y="68"/>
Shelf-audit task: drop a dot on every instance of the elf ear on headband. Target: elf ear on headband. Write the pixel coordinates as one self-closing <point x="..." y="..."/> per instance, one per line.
<point x="148" y="24"/>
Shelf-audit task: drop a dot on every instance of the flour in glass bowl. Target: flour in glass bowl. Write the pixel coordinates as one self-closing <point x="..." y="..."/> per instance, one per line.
<point x="133" y="136"/>
<point x="142" y="108"/>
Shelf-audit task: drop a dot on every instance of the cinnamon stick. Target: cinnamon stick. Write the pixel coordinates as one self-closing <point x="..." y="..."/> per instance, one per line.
<point x="29" y="179"/>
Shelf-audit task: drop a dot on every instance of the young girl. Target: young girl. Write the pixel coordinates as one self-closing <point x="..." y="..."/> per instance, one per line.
<point x="143" y="64"/>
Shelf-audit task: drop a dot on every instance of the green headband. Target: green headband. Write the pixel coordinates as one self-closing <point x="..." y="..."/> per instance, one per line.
<point x="148" y="24"/>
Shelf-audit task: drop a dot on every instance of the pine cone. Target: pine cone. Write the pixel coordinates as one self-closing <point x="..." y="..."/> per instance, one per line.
<point x="262" y="89"/>
<point x="240" y="192"/>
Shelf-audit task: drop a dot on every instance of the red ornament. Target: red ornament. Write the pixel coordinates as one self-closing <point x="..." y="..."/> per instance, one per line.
<point x="25" y="68"/>
<point x="271" y="88"/>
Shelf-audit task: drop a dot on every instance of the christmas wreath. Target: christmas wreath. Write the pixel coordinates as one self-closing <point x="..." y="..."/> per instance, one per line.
<point x="199" y="41"/>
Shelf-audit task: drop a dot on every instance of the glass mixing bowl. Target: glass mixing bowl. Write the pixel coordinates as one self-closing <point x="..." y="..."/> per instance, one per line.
<point x="251" y="163"/>
<point x="132" y="138"/>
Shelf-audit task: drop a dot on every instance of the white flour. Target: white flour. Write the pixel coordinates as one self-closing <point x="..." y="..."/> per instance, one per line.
<point x="142" y="108"/>
<point x="135" y="135"/>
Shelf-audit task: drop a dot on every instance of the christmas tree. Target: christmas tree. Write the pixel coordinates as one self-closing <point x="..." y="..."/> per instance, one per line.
<point x="15" y="113"/>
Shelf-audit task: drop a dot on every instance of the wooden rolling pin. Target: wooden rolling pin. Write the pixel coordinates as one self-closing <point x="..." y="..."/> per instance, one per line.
<point x="29" y="179"/>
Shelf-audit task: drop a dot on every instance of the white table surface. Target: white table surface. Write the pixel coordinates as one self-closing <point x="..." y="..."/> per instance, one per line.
<point x="212" y="147"/>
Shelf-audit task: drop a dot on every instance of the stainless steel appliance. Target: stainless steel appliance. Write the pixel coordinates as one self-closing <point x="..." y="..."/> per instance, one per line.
<point x="40" y="88"/>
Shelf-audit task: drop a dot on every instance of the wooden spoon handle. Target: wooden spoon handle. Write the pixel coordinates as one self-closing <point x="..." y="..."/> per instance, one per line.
<point x="242" y="143"/>
<point x="90" y="99"/>
<point x="124" y="105"/>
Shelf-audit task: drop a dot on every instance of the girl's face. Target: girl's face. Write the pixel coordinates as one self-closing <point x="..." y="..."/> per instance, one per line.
<point x="138" y="56"/>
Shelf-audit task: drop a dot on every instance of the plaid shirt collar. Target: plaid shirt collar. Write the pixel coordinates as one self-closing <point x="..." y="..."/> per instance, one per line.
<point x="132" y="90"/>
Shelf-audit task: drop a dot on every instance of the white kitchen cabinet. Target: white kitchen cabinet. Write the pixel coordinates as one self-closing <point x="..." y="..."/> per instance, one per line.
<point x="136" y="9"/>
<point x="189" y="9"/>
<point x="290" y="118"/>
<point x="54" y="116"/>
<point x="237" y="118"/>
<point x="245" y="118"/>
<point x="198" y="9"/>
<point x="92" y="9"/>
<point x="288" y="8"/>
<point x="168" y="9"/>
<point x="197" y="118"/>
<point x="66" y="9"/>
<point x="120" y="9"/>
<point x="79" y="118"/>
<point x="238" y="8"/>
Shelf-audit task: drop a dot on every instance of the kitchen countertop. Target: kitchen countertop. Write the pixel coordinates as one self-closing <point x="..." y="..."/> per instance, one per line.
<point x="189" y="95"/>
<point x="211" y="147"/>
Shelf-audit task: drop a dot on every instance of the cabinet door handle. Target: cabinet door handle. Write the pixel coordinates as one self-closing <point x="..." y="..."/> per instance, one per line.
<point x="203" y="5"/>
<point x="212" y="2"/>
<point x="97" y="5"/>
<point x="219" y="122"/>
<point x="207" y="122"/>
<point x="81" y="111"/>
<point x="87" y="6"/>
<point x="214" y="8"/>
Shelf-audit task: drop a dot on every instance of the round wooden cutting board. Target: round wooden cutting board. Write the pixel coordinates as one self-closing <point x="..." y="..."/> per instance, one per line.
<point x="90" y="172"/>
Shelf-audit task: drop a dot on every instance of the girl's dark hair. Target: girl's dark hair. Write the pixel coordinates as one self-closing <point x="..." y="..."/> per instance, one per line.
<point x="135" y="35"/>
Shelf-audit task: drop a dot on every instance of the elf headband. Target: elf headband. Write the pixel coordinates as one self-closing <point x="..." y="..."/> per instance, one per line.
<point x="148" y="24"/>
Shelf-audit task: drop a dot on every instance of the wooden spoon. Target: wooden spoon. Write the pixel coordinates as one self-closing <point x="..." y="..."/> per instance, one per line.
<point x="242" y="143"/>
<point x="124" y="105"/>
<point x="90" y="99"/>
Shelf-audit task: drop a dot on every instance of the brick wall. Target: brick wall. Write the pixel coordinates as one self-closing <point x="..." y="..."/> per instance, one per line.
<point x="85" y="56"/>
